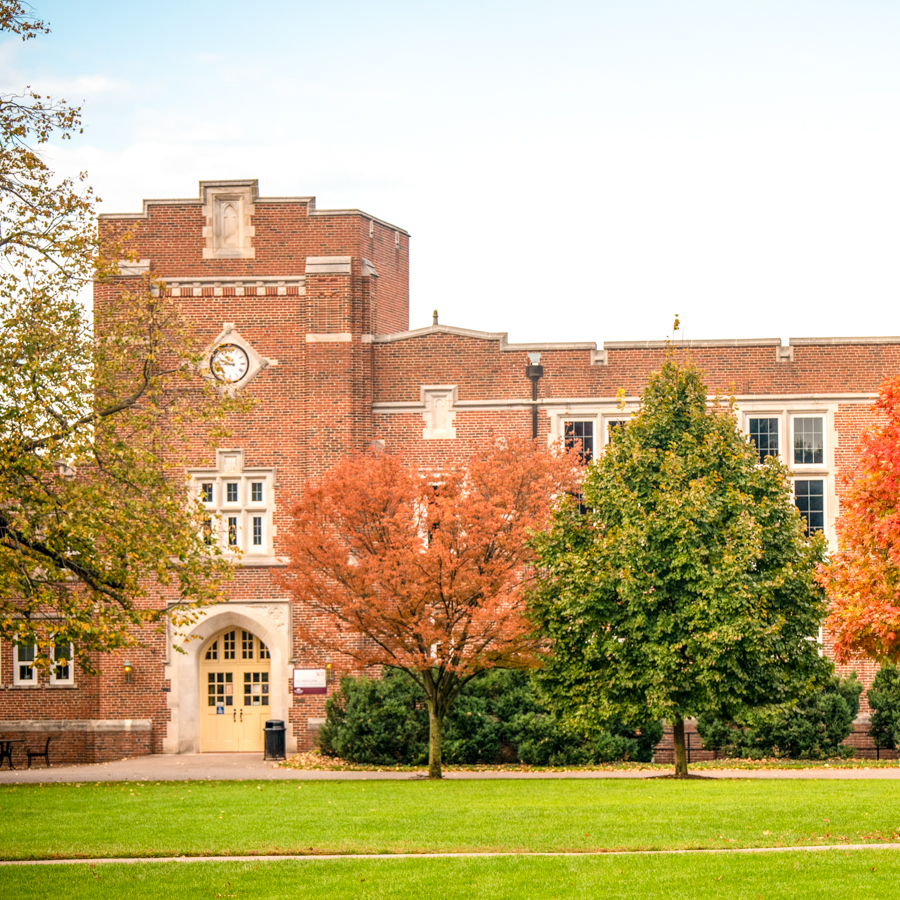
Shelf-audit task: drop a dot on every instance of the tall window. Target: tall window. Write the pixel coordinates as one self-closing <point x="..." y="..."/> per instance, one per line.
<point x="809" y="495"/>
<point x="24" y="672"/>
<point x="580" y="433"/>
<point x="764" y="433"/>
<point x="63" y="670"/>
<point x="809" y="441"/>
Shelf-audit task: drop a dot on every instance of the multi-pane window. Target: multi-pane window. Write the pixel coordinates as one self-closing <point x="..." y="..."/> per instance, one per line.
<point x="246" y="645"/>
<point x="238" y="513"/>
<point x="809" y="440"/>
<point x="256" y="688"/>
<point x="62" y="671"/>
<point x="809" y="495"/>
<point x="24" y="671"/>
<point x="212" y="652"/>
<point x="228" y="645"/>
<point x="263" y="651"/>
<point x="580" y="434"/>
<point x="220" y="689"/>
<point x="764" y="433"/>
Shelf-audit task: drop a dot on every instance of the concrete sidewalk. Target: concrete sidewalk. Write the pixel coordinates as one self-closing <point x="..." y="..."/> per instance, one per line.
<point x="251" y="766"/>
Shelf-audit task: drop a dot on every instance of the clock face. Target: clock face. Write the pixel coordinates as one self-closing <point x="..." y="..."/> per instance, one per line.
<point x="229" y="363"/>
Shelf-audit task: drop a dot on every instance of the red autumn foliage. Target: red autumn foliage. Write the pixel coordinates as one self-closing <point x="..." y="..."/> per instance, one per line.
<point x="425" y="571"/>
<point x="863" y="578"/>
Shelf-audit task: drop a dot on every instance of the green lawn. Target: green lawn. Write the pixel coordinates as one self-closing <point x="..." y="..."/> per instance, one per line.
<point x="47" y="821"/>
<point x="798" y="876"/>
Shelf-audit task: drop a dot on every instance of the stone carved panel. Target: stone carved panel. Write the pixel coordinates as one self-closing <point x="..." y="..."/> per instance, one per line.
<point x="439" y="415"/>
<point x="278" y="616"/>
<point x="229" y="209"/>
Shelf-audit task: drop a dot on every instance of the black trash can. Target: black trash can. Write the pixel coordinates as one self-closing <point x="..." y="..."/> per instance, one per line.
<point x="275" y="733"/>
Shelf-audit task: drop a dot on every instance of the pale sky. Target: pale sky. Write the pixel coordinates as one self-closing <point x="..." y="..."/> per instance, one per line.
<point x="568" y="171"/>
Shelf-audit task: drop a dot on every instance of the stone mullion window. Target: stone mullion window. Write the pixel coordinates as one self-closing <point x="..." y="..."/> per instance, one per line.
<point x="240" y="505"/>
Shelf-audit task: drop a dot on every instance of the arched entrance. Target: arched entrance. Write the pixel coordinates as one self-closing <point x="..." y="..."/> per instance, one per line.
<point x="234" y="692"/>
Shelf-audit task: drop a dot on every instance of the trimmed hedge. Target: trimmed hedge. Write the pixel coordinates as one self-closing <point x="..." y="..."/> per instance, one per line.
<point x="813" y="728"/>
<point x="498" y="718"/>
<point x="884" y="698"/>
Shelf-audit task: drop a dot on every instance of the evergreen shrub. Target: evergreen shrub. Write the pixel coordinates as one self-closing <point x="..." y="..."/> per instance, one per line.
<point x="884" y="698"/>
<point x="497" y="718"/>
<point x="812" y="728"/>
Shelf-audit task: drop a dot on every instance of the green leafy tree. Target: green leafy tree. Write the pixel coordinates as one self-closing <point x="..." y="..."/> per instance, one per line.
<point x="95" y="422"/>
<point x="687" y="588"/>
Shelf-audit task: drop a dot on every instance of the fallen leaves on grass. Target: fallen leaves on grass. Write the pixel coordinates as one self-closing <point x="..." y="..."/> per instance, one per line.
<point x="315" y="761"/>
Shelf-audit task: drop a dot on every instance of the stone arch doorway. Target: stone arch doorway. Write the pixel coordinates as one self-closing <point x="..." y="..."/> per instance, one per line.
<point x="187" y="699"/>
<point x="234" y="692"/>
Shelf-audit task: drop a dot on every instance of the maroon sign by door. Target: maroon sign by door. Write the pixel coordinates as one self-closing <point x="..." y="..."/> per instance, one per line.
<point x="310" y="681"/>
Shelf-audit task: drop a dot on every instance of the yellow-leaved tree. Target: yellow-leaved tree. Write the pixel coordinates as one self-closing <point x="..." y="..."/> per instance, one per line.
<point x="96" y="526"/>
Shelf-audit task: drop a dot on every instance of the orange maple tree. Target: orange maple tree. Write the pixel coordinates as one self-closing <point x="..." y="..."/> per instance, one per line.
<point x="425" y="571"/>
<point x="862" y="578"/>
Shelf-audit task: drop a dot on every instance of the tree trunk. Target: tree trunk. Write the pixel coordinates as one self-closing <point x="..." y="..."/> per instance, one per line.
<point x="681" y="769"/>
<point x="435" y="726"/>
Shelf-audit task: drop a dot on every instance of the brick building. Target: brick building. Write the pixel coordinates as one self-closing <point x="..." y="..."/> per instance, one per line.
<point x="308" y="310"/>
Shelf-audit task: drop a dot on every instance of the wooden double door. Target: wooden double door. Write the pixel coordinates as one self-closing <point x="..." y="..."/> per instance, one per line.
<point x="234" y="692"/>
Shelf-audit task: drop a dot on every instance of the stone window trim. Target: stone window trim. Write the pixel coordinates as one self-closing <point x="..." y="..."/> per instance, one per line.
<point x="559" y="418"/>
<point x="253" y="516"/>
<point x="256" y="362"/>
<point x="787" y="413"/>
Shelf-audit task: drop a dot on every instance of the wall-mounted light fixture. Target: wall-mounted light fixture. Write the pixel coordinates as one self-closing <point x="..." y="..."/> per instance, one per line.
<point x="534" y="371"/>
<point x="329" y="672"/>
<point x="129" y="672"/>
